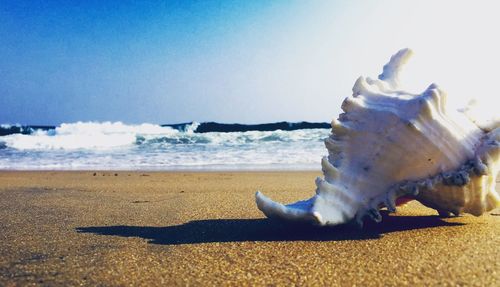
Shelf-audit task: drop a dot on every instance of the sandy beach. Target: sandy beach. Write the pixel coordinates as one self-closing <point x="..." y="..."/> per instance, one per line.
<point x="175" y="228"/>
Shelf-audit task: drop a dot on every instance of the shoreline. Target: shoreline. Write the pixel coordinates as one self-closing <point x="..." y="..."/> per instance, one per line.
<point x="318" y="169"/>
<point x="149" y="228"/>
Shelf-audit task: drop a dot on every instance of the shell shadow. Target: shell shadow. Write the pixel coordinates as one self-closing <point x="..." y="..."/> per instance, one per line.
<point x="241" y="230"/>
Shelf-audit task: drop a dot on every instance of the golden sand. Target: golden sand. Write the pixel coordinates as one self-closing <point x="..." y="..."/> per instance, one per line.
<point x="150" y="229"/>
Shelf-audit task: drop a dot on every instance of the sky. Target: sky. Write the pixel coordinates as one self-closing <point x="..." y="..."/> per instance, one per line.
<point x="232" y="61"/>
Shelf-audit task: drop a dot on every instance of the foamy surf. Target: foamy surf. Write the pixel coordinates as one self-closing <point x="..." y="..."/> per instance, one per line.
<point x="115" y="145"/>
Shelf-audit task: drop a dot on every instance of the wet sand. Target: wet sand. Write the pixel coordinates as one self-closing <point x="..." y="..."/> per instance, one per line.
<point x="150" y="229"/>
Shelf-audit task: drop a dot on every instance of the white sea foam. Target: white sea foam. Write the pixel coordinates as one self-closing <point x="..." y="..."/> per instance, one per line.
<point x="85" y="135"/>
<point x="107" y="145"/>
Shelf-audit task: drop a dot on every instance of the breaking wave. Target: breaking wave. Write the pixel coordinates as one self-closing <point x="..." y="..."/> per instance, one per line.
<point x="115" y="145"/>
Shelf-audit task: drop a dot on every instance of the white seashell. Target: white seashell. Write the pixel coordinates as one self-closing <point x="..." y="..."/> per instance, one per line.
<point x="391" y="144"/>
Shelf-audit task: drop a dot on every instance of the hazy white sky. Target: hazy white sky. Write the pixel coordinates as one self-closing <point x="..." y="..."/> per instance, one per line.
<point x="232" y="61"/>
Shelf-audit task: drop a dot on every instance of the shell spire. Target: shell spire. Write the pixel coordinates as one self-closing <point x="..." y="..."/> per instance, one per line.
<point x="389" y="144"/>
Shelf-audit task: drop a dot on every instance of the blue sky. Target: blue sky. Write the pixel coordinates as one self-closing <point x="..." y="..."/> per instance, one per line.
<point x="230" y="61"/>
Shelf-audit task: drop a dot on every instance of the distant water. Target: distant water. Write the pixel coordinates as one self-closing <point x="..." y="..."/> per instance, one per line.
<point x="188" y="146"/>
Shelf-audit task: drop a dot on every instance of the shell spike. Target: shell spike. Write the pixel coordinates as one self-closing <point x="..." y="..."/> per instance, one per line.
<point x="351" y="104"/>
<point x="372" y="213"/>
<point x="331" y="173"/>
<point x="333" y="146"/>
<point x="360" y="87"/>
<point x="299" y="211"/>
<point x="436" y="97"/>
<point x="432" y="86"/>
<point x="390" y="201"/>
<point x="338" y="128"/>
<point x="392" y="69"/>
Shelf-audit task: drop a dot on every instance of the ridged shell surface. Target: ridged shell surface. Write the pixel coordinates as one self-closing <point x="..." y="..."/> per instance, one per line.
<point x="388" y="144"/>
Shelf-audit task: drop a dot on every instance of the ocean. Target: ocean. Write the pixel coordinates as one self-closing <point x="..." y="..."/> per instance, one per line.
<point x="186" y="146"/>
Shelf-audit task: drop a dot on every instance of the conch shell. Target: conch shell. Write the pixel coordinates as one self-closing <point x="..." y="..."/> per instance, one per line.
<point x="391" y="146"/>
